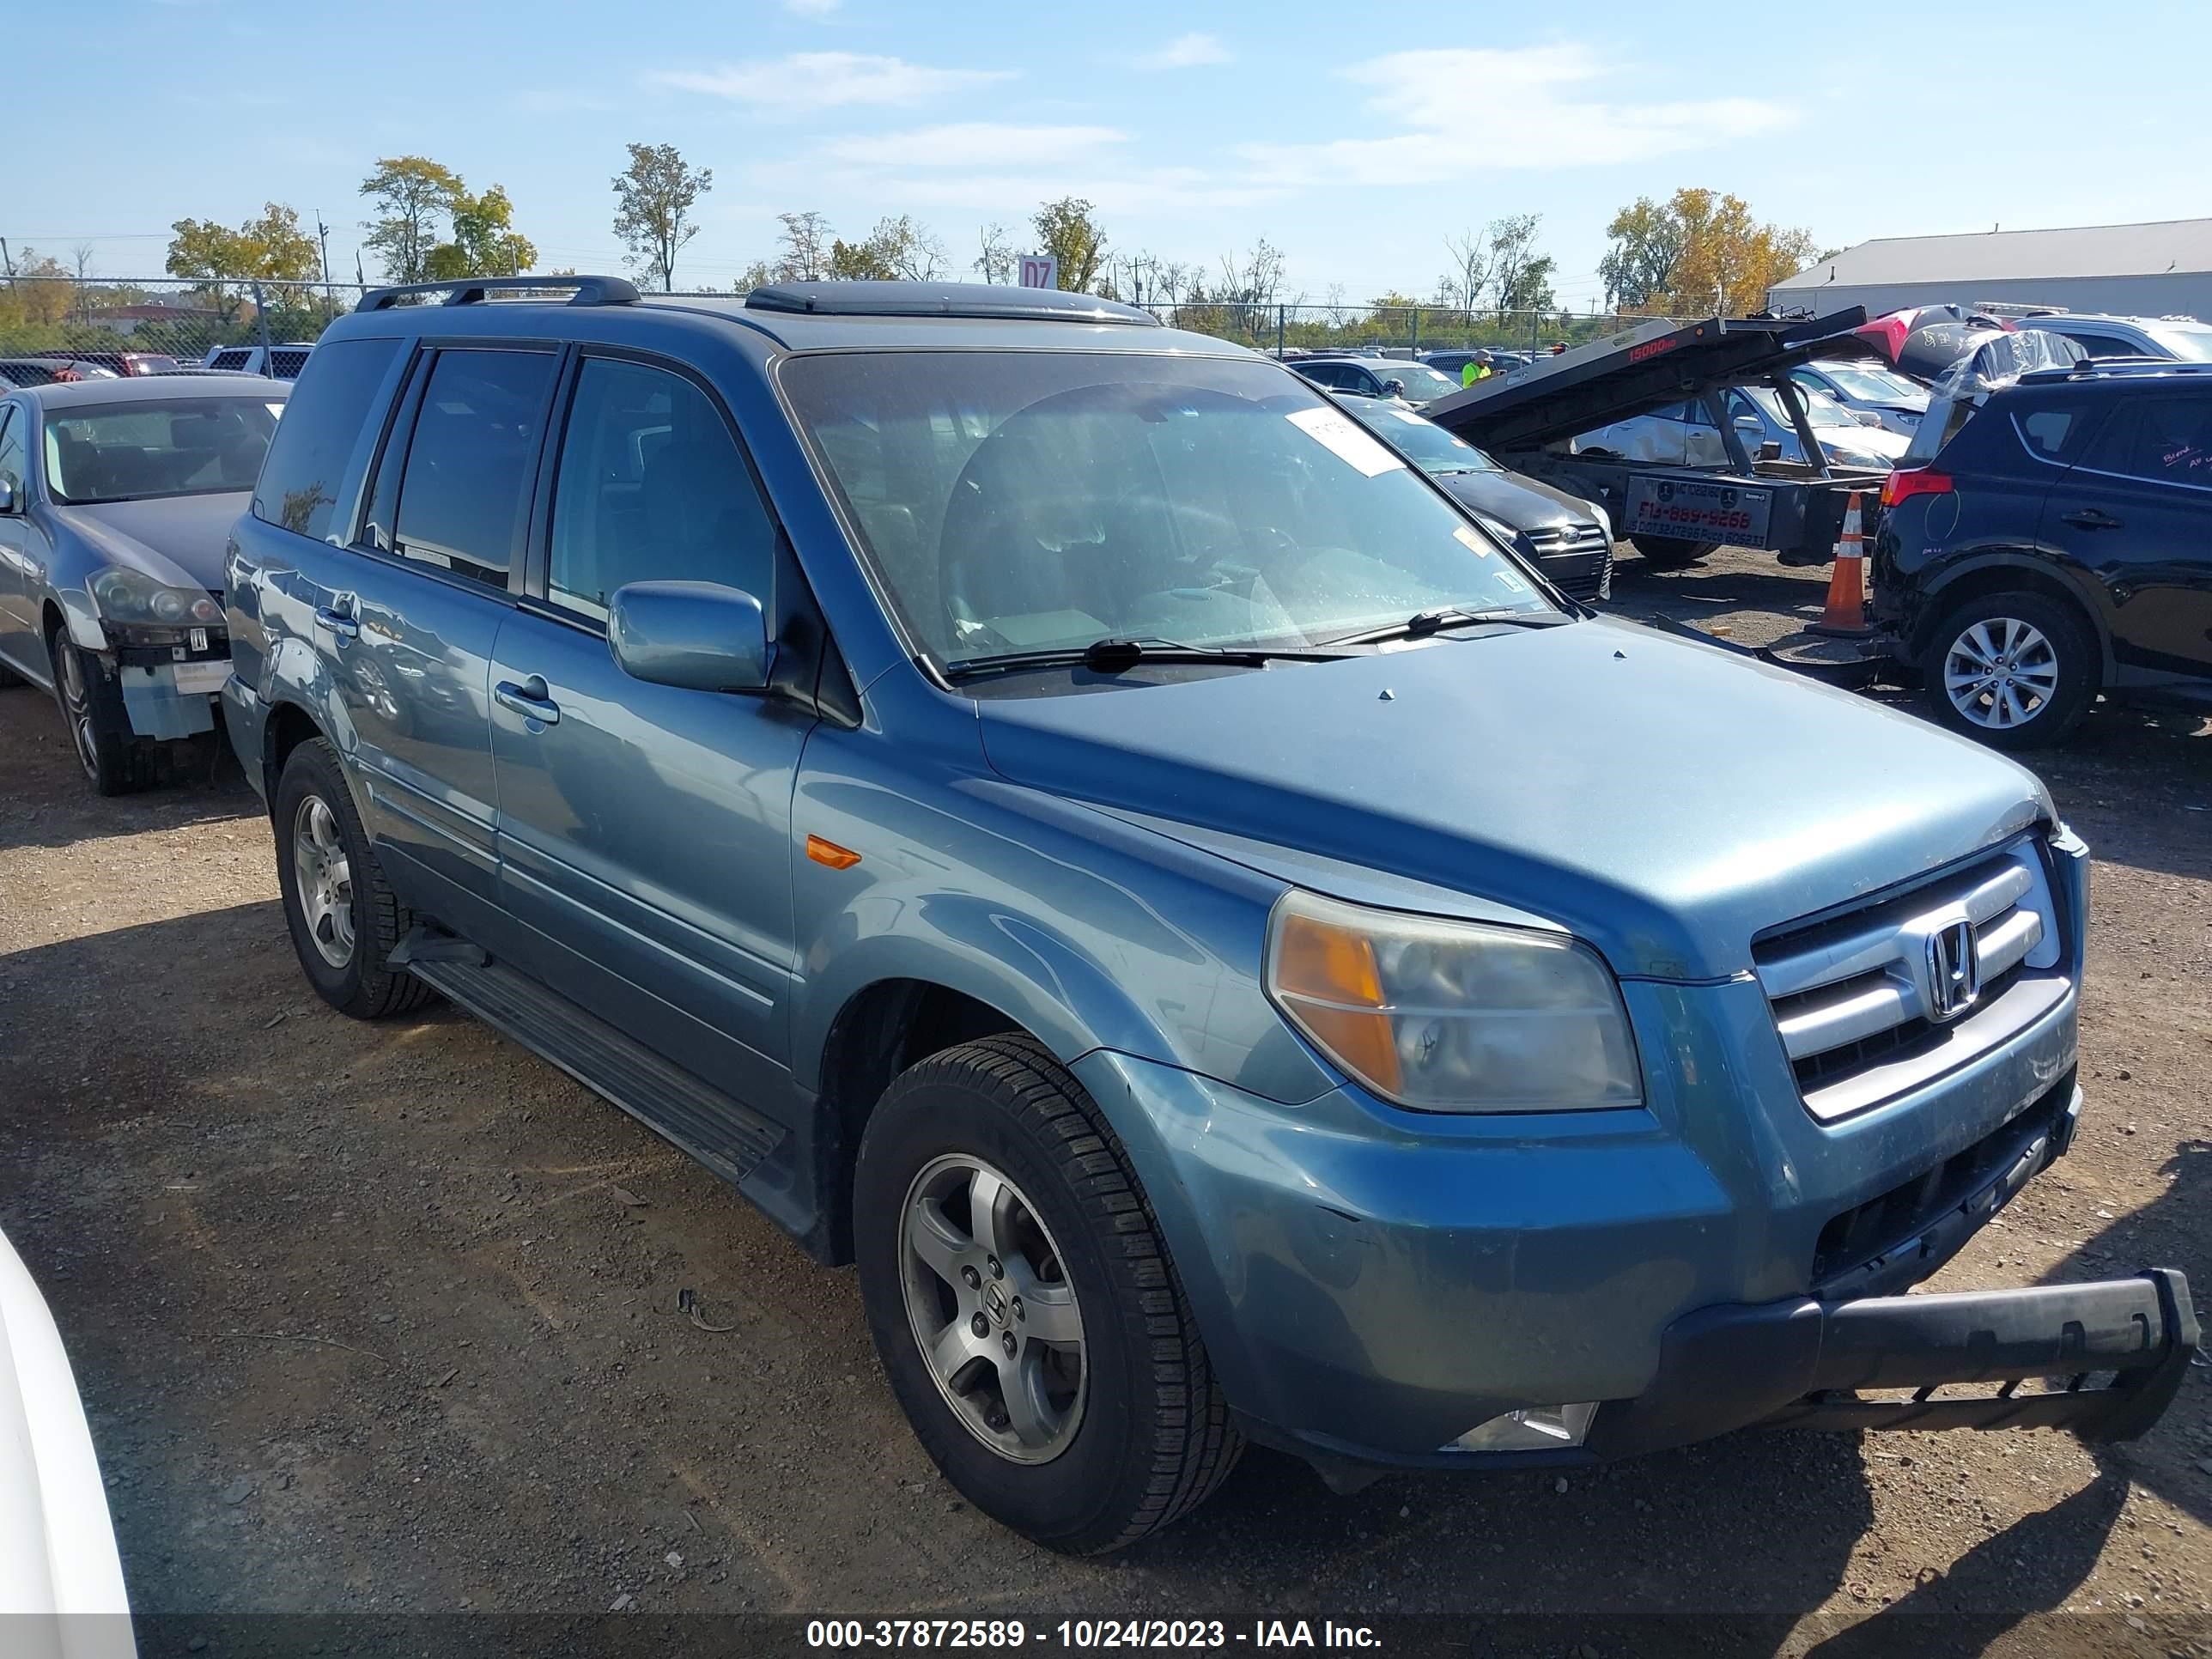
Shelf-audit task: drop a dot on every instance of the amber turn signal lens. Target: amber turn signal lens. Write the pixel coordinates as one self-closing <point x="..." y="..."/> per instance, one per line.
<point x="829" y="852"/>
<point x="1331" y="975"/>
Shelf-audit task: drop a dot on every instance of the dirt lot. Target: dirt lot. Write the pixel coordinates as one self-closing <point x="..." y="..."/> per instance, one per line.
<point x="383" y="1318"/>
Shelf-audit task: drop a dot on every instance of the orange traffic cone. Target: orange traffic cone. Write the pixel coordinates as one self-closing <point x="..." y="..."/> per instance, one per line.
<point x="1844" y="613"/>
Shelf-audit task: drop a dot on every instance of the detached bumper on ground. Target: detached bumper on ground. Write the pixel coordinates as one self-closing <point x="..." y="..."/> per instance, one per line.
<point x="1801" y="1363"/>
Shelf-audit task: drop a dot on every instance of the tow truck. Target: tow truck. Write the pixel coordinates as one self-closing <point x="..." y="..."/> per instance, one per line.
<point x="1676" y="514"/>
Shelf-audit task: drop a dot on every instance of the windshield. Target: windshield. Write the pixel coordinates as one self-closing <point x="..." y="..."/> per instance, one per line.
<point x="2191" y="342"/>
<point x="1423" y="384"/>
<point x="1028" y="500"/>
<point x="1422" y="442"/>
<point x="134" y="452"/>
<point x="1876" y="385"/>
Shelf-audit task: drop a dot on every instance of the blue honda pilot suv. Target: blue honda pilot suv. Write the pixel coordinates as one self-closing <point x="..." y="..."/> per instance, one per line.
<point x="1068" y="821"/>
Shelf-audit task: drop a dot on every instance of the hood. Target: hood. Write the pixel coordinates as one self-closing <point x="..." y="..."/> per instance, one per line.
<point x="1665" y="801"/>
<point x="1513" y="499"/>
<point x="179" y="539"/>
<point x="1886" y="446"/>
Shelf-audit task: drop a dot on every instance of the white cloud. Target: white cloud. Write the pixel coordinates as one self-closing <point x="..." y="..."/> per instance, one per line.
<point x="976" y="144"/>
<point x="1185" y="51"/>
<point x="1477" y="109"/>
<point x="823" y="80"/>
<point x="815" y="9"/>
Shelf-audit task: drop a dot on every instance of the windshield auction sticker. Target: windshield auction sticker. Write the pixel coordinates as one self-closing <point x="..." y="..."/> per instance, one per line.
<point x="1346" y="438"/>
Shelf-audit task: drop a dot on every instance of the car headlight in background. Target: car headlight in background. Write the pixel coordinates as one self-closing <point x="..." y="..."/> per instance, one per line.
<point x="1452" y="1016"/>
<point x="133" y="601"/>
<point x="1596" y="510"/>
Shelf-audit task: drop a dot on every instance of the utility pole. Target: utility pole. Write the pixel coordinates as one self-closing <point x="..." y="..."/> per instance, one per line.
<point x="6" y="258"/>
<point x="323" y="235"/>
<point x="361" y="280"/>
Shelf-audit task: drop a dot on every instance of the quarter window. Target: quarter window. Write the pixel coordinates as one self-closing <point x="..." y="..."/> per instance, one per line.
<point x="651" y="488"/>
<point x="464" y="493"/>
<point x="2165" y="440"/>
<point x="315" y="443"/>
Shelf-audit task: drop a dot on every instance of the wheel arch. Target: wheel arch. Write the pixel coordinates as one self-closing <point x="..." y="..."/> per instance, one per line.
<point x="2009" y="572"/>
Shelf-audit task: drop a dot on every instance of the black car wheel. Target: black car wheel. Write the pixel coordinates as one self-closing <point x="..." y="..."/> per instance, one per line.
<point x="343" y="915"/>
<point x="2017" y="671"/>
<point x="1670" y="552"/>
<point x="1024" y="1304"/>
<point x="113" y="761"/>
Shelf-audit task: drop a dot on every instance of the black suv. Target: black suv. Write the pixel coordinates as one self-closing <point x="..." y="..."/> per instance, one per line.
<point x="2051" y="537"/>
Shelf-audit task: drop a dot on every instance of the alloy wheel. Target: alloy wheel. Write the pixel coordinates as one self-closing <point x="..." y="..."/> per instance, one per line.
<point x="2001" y="673"/>
<point x="324" y="876"/>
<point x="76" y="704"/>
<point x="990" y="1304"/>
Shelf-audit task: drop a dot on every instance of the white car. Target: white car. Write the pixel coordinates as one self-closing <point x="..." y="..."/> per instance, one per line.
<point x="1683" y="434"/>
<point x="1895" y="400"/>
<point x="61" y="1581"/>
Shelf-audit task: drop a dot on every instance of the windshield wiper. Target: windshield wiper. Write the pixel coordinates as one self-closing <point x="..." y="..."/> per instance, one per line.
<point x="1118" y="652"/>
<point x="1422" y="623"/>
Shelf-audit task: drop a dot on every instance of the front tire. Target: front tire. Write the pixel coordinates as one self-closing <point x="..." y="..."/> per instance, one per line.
<point x="343" y="915"/>
<point x="113" y="762"/>
<point x="1024" y="1304"/>
<point x="2015" y="670"/>
<point x="1670" y="552"/>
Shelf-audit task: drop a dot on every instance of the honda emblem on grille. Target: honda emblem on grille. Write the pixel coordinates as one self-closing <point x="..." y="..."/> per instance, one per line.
<point x="1954" y="969"/>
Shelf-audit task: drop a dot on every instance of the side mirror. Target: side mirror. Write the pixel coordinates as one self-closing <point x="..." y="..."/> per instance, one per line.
<point x="1394" y="388"/>
<point x="700" y="635"/>
<point x="1770" y="450"/>
<point x="11" y="500"/>
<point x="1749" y="423"/>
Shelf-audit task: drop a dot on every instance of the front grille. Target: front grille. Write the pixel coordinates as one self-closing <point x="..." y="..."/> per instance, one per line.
<point x="1576" y="558"/>
<point x="1863" y="1001"/>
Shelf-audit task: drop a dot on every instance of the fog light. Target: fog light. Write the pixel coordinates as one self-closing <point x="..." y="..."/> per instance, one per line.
<point x="1533" y="1428"/>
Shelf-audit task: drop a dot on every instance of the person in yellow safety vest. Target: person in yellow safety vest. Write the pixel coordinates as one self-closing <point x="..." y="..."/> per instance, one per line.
<point x="1475" y="370"/>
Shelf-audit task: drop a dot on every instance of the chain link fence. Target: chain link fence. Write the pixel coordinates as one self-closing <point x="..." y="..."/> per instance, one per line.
<point x="192" y="322"/>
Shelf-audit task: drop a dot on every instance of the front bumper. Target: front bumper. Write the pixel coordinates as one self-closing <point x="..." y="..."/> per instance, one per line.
<point x="1801" y="1363"/>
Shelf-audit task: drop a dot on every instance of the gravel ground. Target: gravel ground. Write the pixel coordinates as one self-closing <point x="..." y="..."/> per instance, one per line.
<point x="381" y="1319"/>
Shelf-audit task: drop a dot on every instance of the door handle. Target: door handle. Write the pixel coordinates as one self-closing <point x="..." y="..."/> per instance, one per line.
<point x="2091" y="518"/>
<point x="340" y="622"/>
<point x="531" y="699"/>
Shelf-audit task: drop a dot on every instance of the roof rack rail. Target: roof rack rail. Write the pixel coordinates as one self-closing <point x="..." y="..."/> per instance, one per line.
<point x="892" y="299"/>
<point x="474" y="291"/>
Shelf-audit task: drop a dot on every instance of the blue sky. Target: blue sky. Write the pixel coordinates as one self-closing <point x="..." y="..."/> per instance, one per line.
<point x="1354" y="138"/>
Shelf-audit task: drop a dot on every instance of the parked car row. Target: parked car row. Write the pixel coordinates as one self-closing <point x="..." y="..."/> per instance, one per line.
<point x="1069" y="820"/>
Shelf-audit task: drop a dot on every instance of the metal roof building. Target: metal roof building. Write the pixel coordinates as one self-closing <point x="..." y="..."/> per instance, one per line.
<point x="2159" y="270"/>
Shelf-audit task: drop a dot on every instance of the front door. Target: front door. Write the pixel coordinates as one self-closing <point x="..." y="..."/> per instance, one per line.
<point x="645" y="830"/>
<point x="18" y="640"/>
<point x="2134" y="511"/>
<point x="405" y="620"/>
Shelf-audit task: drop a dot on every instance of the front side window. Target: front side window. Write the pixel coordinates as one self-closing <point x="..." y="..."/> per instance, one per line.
<point x="464" y="493"/>
<point x="299" y="484"/>
<point x="651" y="488"/>
<point x="11" y="447"/>
<point x="143" y="450"/>
<point x="2165" y="440"/>
<point x="1014" y="501"/>
<point x="1422" y="384"/>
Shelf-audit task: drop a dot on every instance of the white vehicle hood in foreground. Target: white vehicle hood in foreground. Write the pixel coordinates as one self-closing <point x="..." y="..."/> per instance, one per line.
<point x="57" y="1560"/>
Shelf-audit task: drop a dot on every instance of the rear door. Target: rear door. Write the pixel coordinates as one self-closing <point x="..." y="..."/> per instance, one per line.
<point x="406" y="618"/>
<point x="645" y="830"/>
<point x="2137" y="510"/>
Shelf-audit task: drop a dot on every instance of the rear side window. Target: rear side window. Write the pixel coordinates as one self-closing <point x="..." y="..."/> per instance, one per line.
<point x="2166" y="439"/>
<point x="651" y="488"/>
<point x="322" y="424"/>
<point x="463" y="492"/>
<point x="232" y="359"/>
<point x="2056" y="431"/>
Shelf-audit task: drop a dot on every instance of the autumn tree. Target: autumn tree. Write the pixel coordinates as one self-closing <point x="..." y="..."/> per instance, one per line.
<point x="1702" y="249"/>
<point x="897" y="249"/>
<point x="484" y="242"/>
<point x="653" y="199"/>
<point x="806" y="241"/>
<point x="995" y="263"/>
<point x="412" y="194"/>
<point x="1469" y="277"/>
<point x="272" y="247"/>
<point x="1520" y="275"/>
<point x="1066" y="230"/>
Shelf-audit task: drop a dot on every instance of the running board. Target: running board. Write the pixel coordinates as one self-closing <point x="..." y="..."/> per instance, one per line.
<point x="728" y="1138"/>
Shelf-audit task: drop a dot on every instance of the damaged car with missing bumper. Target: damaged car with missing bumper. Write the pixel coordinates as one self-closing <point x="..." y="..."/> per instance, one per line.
<point x="1068" y="821"/>
<point x="116" y="501"/>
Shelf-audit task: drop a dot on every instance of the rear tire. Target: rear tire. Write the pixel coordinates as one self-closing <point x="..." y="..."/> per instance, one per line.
<point x="113" y="762"/>
<point x="1670" y="552"/>
<point x="2015" y="670"/>
<point x="1086" y="1439"/>
<point x="343" y="915"/>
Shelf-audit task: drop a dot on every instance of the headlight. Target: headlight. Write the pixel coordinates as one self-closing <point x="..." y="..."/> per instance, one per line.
<point x="1452" y="1016"/>
<point x="1604" y="519"/>
<point x="131" y="598"/>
